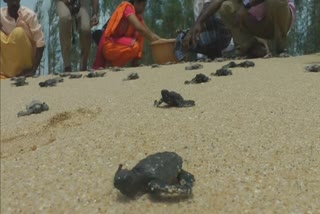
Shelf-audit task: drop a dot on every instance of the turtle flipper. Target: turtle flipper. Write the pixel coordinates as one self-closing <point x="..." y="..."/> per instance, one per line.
<point x="186" y="178"/>
<point x="186" y="103"/>
<point x="158" y="103"/>
<point x="24" y="113"/>
<point x="159" y="187"/>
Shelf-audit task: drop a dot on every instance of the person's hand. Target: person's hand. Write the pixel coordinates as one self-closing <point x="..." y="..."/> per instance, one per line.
<point x="187" y="40"/>
<point x="155" y="37"/>
<point x="94" y="20"/>
<point x="196" y="33"/>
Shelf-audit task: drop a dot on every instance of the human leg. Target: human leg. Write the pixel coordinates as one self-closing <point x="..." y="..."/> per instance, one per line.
<point x="243" y="39"/>
<point x="278" y="13"/>
<point x="197" y="8"/>
<point x="65" y="32"/>
<point x="85" y="35"/>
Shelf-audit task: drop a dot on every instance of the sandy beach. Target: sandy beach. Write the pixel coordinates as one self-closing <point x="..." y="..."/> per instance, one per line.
<point x="252" y="141"/>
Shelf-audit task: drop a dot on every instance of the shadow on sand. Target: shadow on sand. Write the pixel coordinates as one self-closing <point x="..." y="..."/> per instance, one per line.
<point x="155" y="198"/>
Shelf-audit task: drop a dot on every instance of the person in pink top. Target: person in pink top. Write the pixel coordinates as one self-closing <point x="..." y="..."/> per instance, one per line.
<point x="22" y="40"/>
<point x="249" y="20"/>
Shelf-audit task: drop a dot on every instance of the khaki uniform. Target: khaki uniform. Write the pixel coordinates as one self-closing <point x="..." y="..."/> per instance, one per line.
<point x="274" y="26"/>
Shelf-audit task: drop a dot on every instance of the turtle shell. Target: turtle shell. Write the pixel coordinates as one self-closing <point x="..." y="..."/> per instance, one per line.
<point x="33" y="104"/>
<point x="164" y="166"/>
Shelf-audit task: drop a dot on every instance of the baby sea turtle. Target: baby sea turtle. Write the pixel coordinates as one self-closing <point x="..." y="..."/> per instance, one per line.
<point x="201" y="60"/>
<point x="35" y="107"/>
<point x="284" y="54"/>
<point x="51" y="82"/>
<point x="155" y="66"/>
<point x="219" y="59"/>
<point x="132" y="76"/>
<point x="160" y="173"/>
<point x="222" y="72"/>
<point x="64" y="74"/>
<point x="19" y="81"/>
<point x="199" y="78"/>
<point x="231" y="64"/>
<point x="169" y="63"/>
<point x="246" y="64"/>
<point x="93" y="74"/>
<point x="173" y="99"/>
<point x="194" y="66"/>
<point x="75" y="76"/>
<point x="313" y="68"/>
<point x="116" y="69"/>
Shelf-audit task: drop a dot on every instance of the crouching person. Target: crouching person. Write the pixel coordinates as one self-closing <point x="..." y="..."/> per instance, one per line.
<point x="122" y="41"/>
<point x="22" y="41"/>
<point x="214" y="39"/>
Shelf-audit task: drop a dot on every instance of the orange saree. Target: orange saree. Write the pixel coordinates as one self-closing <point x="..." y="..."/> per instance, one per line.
<point x="120" y="43"/>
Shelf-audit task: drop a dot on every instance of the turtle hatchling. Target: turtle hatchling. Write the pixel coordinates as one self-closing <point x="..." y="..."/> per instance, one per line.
<point x="173" y="99"/>
<point x="64" y="74"/>
<point x="116" y="69"/>
<point x="93" y="74"/>
<point x="313" y="68"/>
<point x="19" y="81"/>
<point x="160" y="174"/>
<point x="246" y="64"/>
<point x="219" y="59"/>
<point x="35" y="107"/>
<point x="199" y="78"/>
<point x="51" y="82"/>
<point x="231" y="64"/>
<point x="155" y="66"/>
<point x="75" y="76"/>
<point x="132" y="76"/>
<point x="194" y="66"/>
<point x="222" y="72"/>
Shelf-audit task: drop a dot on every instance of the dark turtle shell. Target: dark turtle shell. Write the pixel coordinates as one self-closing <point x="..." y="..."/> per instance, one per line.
<point x="164" y="166"/>
<point x="174" y="99"/>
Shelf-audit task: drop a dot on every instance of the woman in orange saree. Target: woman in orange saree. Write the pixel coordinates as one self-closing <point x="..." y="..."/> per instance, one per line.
<point x="122" y="41"/>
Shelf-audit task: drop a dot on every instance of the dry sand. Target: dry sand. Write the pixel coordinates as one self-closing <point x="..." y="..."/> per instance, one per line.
<point x="252" y="140"/>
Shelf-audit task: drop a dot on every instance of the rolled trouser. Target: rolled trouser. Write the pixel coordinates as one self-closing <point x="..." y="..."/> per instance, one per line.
<point x="65" y="31"/>
<point x="274" y="26"/>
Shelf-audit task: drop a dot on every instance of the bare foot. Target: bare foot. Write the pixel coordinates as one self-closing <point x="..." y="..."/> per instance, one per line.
<point x="284" y="54"/>
<point x="267" y="56"/>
